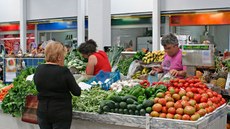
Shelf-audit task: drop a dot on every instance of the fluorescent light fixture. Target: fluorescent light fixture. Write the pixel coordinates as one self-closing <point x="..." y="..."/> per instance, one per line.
<point x="130" y="19"/>
<point x="16" y="38"/>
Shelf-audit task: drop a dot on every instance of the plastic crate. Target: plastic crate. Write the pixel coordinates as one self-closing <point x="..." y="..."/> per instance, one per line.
<point x="102" y="76"/>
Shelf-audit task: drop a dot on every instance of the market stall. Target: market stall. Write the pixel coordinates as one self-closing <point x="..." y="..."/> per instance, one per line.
<point x="84" y="120"/>
<point x="170" y="102"/>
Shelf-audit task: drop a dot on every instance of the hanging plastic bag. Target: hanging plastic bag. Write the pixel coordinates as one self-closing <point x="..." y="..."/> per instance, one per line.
<point x="134" y="66"/>
<point x="166" y="78"/>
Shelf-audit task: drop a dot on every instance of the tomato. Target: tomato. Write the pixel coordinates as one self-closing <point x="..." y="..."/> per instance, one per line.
<point x="223" y="100"/>
<point x="180" y="85"/>
<point x="172" y="81"/>
<point x="197" y="80"/>
<point x="197" y="97"/>
<point x="203" y="99"/>
<point x="204" y="95"/>
<point x="164" y="109"/>
<point x="196" y="85"/>
<point x="188" y="89"/>
<point x="191" y="84"/>
<point x="219" y="95"/>
<point x="172" y="110"/>
<point x="177" y="90"/>
<point x="175" y="84"/>
<point x="176" y="80"/>
<point x="186" y="84"/>
<point x="194" y="90"/>
<point x="210" y="95"/>
<point x="181" y="81"/>
<point x="214" y="93"/>
<point x="161" y="83"/>
<point x="191" y="81"/>
<point x="201" y="91"/>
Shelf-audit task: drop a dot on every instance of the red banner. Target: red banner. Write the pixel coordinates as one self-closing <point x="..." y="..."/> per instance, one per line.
<point x="15" y="27"/>
<point x="217" y="18"/>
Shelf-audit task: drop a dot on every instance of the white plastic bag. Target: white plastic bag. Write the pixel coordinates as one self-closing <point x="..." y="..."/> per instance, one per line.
<point x="133" y="68"/>
<point x="166" y="78"/>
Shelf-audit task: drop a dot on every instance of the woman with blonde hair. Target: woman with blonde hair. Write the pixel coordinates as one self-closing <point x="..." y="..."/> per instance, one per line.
<point x="54" y="84"/>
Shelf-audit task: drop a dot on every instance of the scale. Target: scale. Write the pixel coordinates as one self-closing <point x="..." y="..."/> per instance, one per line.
<point x="194" y="55"/>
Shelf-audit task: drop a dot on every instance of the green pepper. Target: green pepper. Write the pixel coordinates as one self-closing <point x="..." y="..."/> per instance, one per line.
<point x="162" y="87"/>
<point x="141" y="99"/>
<point x="157" y="91"/>
<point x="149" y="91"/>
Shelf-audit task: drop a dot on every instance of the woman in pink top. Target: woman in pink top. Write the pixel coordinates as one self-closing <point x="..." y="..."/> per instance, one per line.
<point x="173" y="59"/>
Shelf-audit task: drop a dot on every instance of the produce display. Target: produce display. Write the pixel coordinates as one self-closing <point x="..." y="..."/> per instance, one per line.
<point x="138" y="100"/>
<point x="89" y="100"/>
<point x="124" y="64"/>
<point x="14" y="102"/>
<point x="75" y="62"/>
<point x="117" y="86"/>
<point x="114" y="55"/>
<point x="186" y="99"/>
<point x="218" y="77"/>
<point x="4" y="91"/>
<point x="155" y="56"/>
<point x="141" y="71"/>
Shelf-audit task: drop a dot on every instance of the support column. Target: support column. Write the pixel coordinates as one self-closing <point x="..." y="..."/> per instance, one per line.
<point x="81" y="21"/>
<point x="156" y="25"/>
<point x="100" y="22"/>
<point x="167" y="27"/>
<point x="23" y="25"/>
<point x="36" y="34"/>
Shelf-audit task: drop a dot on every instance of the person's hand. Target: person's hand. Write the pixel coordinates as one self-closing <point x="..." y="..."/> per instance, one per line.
<point x="174" y="72"/>
<point x="155" y="70"/>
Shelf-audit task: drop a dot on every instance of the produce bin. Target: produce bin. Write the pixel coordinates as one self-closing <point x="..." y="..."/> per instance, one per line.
<point x="86" y="120"/>
<point x="102" y="76"/>
<point x="214" y="120"/>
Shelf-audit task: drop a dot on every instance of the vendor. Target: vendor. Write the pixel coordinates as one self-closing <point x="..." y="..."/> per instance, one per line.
<point x="38" y="50"/>
<point x="97" y="59"/>
<point x="172" y="62"/>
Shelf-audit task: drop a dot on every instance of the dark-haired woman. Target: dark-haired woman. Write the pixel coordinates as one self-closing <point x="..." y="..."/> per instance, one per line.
<point x="97" y="59"/>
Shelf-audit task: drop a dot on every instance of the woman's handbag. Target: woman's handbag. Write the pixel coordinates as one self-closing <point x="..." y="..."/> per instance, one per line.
<point x="30" y="112"/>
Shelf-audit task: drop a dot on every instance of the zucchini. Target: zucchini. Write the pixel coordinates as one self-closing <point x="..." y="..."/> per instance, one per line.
<point x="147" y="103"/>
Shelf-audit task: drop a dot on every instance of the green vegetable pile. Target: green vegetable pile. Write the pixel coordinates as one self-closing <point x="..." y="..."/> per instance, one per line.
<point x="89" y="100"/>
<point x="14" y="101"/>
<point x="133" y="101"/>
<point x="124" y="64"/>
<point x="74" y="59"/>
<point x="114" y="55"/>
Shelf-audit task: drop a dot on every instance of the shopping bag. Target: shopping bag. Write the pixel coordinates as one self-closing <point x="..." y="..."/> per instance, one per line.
<point x="29" y="114"/>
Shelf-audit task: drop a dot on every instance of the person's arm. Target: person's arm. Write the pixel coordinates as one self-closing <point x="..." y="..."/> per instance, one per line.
<point x="178" y="73"/>
<point x="72" y="85"/>
<point x="92" y="61"/>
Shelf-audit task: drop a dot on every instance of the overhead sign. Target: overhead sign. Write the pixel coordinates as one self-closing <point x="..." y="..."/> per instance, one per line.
<point x="59" y="26"/>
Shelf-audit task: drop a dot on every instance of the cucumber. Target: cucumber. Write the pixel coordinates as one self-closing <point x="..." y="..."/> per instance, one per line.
<point x="148" y="103"/>
<point x="131" y="106"/>
<point x="139" y="107"/>
<point x="137" y="112"/>
<point x="116" y="110"/>
<point x="116" y="105"/>
<point x="106" y="108"/>
<point x="120" y="111"/>
<point x="131" y="112"/>
<point x="112" y="110"/>
<point x="123" y="105"/>
<point x="130" y="96"/>
<point x="130" y="101"/>
<point x="148" y="110"/>
<point x="111" y="104"/>
<point x="142" y="112"/>
<point x="116" y="98"/>
<point x="126" y="111"/>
